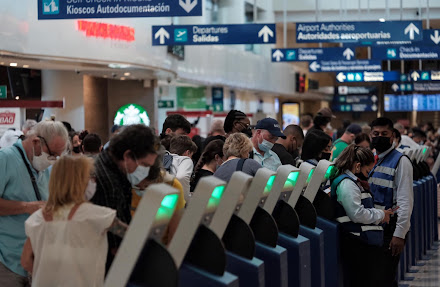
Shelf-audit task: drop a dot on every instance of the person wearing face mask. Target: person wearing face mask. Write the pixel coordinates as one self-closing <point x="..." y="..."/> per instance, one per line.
<point x="24" y="180"/>
<point x="122" y="166"/>
<point x="69" y="234"/>
<point x="288" y="149"/>
<point x="267" y="132"/>
<point x="237" y="122"/>
<point x="210" y="160"/>
<point x="75" y="142"/>
<point x="391" y="183"/>
<point x="361" y="232"/>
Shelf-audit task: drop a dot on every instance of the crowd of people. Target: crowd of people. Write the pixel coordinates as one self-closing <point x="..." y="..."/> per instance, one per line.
<point x="66" y="199"/>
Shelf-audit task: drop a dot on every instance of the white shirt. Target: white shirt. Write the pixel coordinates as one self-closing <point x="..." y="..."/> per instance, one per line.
<point x="182" y="167"/>
<point x="70" y="252"/>
<point x="403" y="193"/>
<point x="349" y="196"/>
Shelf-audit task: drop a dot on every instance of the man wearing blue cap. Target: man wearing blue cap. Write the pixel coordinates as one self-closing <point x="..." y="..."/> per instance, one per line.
<point x="267" y="132"/>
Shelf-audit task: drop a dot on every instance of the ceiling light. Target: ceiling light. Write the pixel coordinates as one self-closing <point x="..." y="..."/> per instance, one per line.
<point x="122" y="78"/>
<point x="25" y="66"/>
<point x="381" y="20"/>
<point x="127" y="74"/>
<point x="13" y="64"/>
<point x="105" y="76"/>
<point x="2" y="63"/>
<point x="118" y="66"/>
<point x="17" y="97"/>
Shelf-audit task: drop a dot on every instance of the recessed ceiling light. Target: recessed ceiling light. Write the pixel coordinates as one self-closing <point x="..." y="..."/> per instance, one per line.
<point x="2" y="63"/>
<point x="17" y="97"/>
<point x="25" y="66"/>
<point x="118" y="66"/>
<point x="105" y="76"/>
<point x="13" y="64"/>
<point x="127" y="74"/>
<point x="122" y="78"/>
<point x="381" y="19"/>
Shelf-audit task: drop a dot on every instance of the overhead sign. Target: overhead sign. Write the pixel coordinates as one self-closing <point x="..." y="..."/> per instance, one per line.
<point x="419" y="76"/>
<point x="401" y="87"/>
<point x="131" y="114"/>
<point x="359" y="103"/>
<point x="355" y="90"/>
<point x="344" y="66"/>
<point x="406" y="53"/>
<point x="312" y="54"/>
<point x="217" y="99"/>
<point x="347" y="77"/>
<point x="358" y="31"/>
<point x="10" y="118"/>
<point x="165" y="104"/>
<point x="431" y="37"/>
<point x="414" y="102"/>
<point x="75" y="9"/>
<point x="3" y="92"/>
<point x="106" y="31"/>
<point x="214" y="34"/>
<point x="426" y="87"/>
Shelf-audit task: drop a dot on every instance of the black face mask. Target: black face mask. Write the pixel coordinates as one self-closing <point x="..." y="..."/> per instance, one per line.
<point x="247" y="131"/>
<point x="76" y="149"/>
<point x="381" y="144"/>
<point x="361" y="176"/>
<point x="295" y="154"/>
<point x="326" y="155"/>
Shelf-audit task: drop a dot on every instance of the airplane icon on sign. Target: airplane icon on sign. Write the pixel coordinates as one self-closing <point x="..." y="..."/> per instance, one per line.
<point x="181" y="33"/>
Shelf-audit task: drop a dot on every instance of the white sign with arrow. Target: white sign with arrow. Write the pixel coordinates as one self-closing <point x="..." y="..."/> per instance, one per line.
<point x="188" y="5"/>
<point x="341" y="77"/>
<point x="314" y="66"/>
<point x="415" y="76"/>
<point x="411" y="29"/>
<point x="265" y="32"/>
<point x="278" y="55"/>
<point x="348" y="53"/>
<point x="162" y="34"/>
<point x="395" y="87"/>
<point x="436" y="37"/>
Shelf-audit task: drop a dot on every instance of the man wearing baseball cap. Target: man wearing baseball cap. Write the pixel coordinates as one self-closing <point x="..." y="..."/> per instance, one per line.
<point x="347" y="139"/>
<point x="267" y="132"/>
<point x="322" y="118"/>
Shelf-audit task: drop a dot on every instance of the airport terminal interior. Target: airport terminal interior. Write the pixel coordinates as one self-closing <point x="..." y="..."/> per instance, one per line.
<point x="219" y="143"/>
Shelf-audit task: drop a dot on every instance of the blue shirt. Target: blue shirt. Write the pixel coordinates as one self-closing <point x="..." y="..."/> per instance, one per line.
<point x="270" y="160"/>
<point x="16" y="184"/>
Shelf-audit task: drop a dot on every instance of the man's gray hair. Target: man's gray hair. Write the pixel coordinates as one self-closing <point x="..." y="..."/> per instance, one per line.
<point x="29" y="124"/>
<point x="48" y="130"/>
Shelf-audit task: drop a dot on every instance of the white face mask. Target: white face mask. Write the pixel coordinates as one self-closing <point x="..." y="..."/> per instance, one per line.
<point x="140" y="173"/>
<point x="90" y="190"/>
<point x="41" y="162"/>
<point x="265" y="145"/>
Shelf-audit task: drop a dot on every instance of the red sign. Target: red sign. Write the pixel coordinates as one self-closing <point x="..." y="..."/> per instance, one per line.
<point x="106" y="31"/>
<point x="7" y="118"/>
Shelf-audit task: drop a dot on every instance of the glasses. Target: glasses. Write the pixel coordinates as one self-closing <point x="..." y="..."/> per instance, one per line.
<point x="245" y="125"/>
<point x="51" y="155"/>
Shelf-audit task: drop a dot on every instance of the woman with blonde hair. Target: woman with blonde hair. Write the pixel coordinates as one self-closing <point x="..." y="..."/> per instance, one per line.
<point x="67" y="239"/>
<point x="236" y="152"/>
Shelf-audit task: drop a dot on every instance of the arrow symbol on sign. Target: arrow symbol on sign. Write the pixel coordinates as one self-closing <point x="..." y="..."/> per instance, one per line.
<point x="415" y="76"/>
<point x="314" y="66"/>
<point x="341" y="77"/>
<point x="411" y="29"/>
<point x="278" y="55"/>
<point x="162" y="34"/>
<point x="435" y="38"/>
<point x="265" y="32"/>
<point x="395" y="87"/>
<point x="187" y="5"/>
<point x="348" y="53"/>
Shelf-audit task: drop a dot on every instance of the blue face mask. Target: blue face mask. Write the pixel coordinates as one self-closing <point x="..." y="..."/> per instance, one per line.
<point x="140" y="173"/>
<point x="265" y="145"/>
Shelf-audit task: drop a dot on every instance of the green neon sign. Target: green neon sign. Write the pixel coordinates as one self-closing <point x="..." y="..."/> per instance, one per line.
<point x="310" y="176"/>
<point x="216" y="196"/>
<point x="269" y="185"/>
<point x="291" y="180"/>
<point x="167" y="207"/>
<point x="329" y="172"/>
<point x="131" y="114"/>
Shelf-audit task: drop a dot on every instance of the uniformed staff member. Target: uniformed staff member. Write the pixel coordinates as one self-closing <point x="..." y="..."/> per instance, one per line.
<point x="361" y="237"/>
<point x="391" y="182"/>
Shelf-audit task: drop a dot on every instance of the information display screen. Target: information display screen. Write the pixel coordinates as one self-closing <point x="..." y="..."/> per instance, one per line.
<point x="414" y="102"/>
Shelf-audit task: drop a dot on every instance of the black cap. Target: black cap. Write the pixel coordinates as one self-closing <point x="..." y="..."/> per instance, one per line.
<point x="270" y="125"/>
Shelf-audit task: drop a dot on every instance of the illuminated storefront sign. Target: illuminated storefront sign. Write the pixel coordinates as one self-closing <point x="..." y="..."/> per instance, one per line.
<point x="106" y="31"/>
<point x="131" y="114"/>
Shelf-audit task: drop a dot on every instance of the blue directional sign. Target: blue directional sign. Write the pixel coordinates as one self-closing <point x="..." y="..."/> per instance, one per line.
<point x="423" y="76"/>
<point x="402" y="87"/>
<point x="347" y="77"/>
<point x="341" y="32"/>
<point x="355" y="103"/>
<point x="406" y="52"/>
<point x="75" y="9"/>
<point x="214" y="34"/>
<point x="312" y="54"/>
<point x="431" y="37"/>
<point x="345" y="66"/>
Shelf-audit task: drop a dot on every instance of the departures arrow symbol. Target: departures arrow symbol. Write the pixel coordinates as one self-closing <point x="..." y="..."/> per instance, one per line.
<point x="435" y="38"/>
<point x="314" y="66"/>
<point x="265" y="32"/>
<point x="278" y="55"/>
<point x="341" y="77"/>
<point x="395" y="87"/>
<point x="162" y="34"/>
<point x="415" y="76"/>
<point x="188" y="5"/>
<point x="411" y="28"/>
<point x="348" y="53"/>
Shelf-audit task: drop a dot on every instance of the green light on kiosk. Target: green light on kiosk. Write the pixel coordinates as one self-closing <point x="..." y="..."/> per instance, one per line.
<point x="424" y="150"/>
<point x="269" y="185"/>
<point x="167" y="207"/>
<point x="310" y="176"/>
<point x="216" y="196"/>
<point x="291" y="180"/>
<point x="329" y="172"/>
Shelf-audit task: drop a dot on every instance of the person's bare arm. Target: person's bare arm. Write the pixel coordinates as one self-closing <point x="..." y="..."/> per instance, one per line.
<point x="12" y="207"/>
<point x="27" y="256"/>
<point x="118" y="228"/>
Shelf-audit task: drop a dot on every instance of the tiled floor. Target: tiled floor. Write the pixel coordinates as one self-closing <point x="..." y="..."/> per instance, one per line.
<point x="427" y="275"/>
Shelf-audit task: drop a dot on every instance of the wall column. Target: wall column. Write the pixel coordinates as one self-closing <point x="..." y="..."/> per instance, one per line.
<point x="96" y="106"/>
